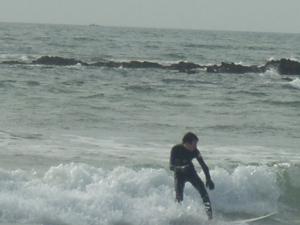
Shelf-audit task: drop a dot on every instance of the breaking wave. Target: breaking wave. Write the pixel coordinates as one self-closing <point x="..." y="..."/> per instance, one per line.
<point x="81" y="194"/>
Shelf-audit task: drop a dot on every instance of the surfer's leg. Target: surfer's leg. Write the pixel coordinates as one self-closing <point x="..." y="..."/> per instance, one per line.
<point x="179" y="187"/>
<point x="199" y="185"/>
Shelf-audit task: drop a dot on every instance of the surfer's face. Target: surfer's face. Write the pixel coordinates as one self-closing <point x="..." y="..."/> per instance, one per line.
<point x="191" y="146"/>
<point x="194" y="145"/>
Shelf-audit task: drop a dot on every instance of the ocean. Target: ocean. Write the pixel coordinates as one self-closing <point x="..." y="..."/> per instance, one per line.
<point x="89" y="115"/>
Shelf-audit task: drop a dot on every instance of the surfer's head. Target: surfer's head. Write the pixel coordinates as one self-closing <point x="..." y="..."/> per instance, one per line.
<point x="190" y="141"/>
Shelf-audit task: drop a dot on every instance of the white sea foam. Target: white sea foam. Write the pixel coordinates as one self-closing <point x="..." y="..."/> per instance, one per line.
<point x="247" y="189"/>
<point x="271" y="73"/>
<point x="17" y="57"/>
<point x="82" y="194"/>
<point x="295" y="83"/>
<point x="76" y="66"/>
<point x="294" y="58"/>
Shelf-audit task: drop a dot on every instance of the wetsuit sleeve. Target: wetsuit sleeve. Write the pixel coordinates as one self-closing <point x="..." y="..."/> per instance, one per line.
<point x="172" y="160"/>
<point x="204" y="166"/>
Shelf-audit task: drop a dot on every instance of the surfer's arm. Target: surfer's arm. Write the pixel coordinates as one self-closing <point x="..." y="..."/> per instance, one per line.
<point x="209" y="183"/>
<point x="204" y="167"/>
<point x="172" y="161"/>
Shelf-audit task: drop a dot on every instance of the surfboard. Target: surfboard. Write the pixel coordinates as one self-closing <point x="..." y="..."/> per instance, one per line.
<point x="254" y="219"/>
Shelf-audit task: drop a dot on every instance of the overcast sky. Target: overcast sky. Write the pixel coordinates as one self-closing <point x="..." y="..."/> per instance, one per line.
<point x="245" y="15"/>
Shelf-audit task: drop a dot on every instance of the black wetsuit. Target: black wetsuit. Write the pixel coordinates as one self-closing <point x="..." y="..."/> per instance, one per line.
<point x="184" y="170"/>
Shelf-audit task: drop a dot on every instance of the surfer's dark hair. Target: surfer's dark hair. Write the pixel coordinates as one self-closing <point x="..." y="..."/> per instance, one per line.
<point x="189" y="138"/>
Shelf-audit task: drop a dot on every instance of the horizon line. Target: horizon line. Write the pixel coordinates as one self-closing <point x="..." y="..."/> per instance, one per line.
<point x="150" y="27"/>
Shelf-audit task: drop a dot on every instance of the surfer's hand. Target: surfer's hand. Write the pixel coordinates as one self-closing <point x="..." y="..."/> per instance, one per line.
<point x="210" y="184"/>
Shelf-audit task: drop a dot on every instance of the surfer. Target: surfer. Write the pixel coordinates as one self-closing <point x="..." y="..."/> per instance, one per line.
<point x="184" y="170"/>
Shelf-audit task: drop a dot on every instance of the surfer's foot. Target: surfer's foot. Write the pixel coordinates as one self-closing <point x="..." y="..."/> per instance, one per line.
<point x="209" y="214"/>
<point x="208" y="210"/>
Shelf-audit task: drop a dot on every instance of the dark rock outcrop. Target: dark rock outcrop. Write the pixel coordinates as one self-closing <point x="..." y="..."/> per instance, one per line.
<point x="130" y="64"/>
<point x="184" y="66"/>
<point x="234" y="68"/>
<point x="284" y="66"/>
<point x="59" y="61"/>
<point x="13" y="62"/>
<point x="141" y="64"/>
<point x="110" y="64"/>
